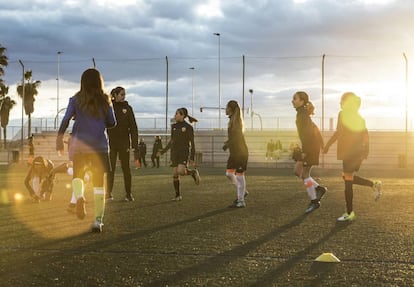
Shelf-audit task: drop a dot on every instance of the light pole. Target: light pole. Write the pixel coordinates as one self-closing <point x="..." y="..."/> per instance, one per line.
<point x="21" y="132"/>
<point x="219" y="93"/>
<point x="57" y="88"/>
<point x="251" y="108"/>
<point x="192" y="90"/>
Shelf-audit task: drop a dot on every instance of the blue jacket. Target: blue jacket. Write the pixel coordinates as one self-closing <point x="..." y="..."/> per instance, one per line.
<point x="88" y="133"/>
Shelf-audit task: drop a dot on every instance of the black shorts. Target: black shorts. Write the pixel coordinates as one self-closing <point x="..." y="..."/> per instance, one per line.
<point x="351" y="165"/>
<point x="238" y="163"/>
<point x="179" y="158"/>
<point x="311" y="158"/>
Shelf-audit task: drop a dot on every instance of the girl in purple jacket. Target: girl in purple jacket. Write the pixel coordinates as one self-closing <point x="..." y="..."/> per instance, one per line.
<point x="91" y="108"/>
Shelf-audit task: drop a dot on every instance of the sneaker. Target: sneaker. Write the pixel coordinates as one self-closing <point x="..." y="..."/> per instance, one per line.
<point x="109" y="198"/>
<point x="129" y="197"/>
<point x="196" y="176"/>
<point x="377" y="189"/>
<point x="347" y="217"/>
<point x="246" y="193"/>
<point x="312" y="206"/>
<point x="35" y="199"/>
<point x="177" y="198"/>
<point x="80" y="208"/>
<point x="320" y="191"/>
<point x="97" y="225"/>
<point x="240" y="204"/>
<point x="71" y="208"/>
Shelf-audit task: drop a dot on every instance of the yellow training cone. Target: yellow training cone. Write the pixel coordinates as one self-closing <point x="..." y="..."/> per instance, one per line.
<point x="327" y="257"/>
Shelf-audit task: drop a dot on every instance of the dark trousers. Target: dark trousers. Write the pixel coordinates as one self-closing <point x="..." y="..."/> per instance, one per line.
<point x="126" y="169"/>
<point x="142" y="160"/>
<point x="155" y="158"/>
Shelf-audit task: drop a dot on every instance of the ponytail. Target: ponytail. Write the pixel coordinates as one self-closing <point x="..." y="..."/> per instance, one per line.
<point x="184" y="112"/>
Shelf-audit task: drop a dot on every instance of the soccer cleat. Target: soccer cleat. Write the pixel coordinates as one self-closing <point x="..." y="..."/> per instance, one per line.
<point x="80" y="208"/>
<point x="97" y="225"/>
<point x="129" y="197"/>
<point x="246" y="193"/>
<point x="377" y="189"/>
<point x="240" y="204"/>
<point x="109" y="197"/>
<point x="177" y="198"/>
<point x="312" y="206"/>
<point x="320" y="191"/>
<point x="35" y="199"/>
<point x="196" y="176"/>
<point x="347" y="217"/>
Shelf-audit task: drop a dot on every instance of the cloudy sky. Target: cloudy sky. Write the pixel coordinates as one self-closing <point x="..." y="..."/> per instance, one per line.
<point x="283" y="42"/>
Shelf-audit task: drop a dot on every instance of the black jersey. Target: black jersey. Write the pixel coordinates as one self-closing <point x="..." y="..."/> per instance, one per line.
<point x="182" y="140"/>
<point x="125" y="133"/>
<point x="236" y="142"/>
<point x="309" y="133"/>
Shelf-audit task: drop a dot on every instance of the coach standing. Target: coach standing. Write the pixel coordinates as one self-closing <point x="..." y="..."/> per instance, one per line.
<point x="121" y="138"/>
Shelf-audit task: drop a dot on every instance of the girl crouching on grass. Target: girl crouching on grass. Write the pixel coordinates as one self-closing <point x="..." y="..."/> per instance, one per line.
<point x="312" y="143"/>
<point x="239" y="154"/>
<point x="182" y="139"/>
<point x="352" y="148"/>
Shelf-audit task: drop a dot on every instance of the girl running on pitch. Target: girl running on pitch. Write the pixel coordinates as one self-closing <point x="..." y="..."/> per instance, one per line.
<point x="182" y="139"/>
<point x="239" y="154"/>
<point x="312" y="143"/>
<point x="352" y="148"/>
<point x="89" y="143"/>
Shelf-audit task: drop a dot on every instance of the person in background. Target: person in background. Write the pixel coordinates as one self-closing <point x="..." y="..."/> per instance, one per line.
<point x="121" y="139"/>
<point x="239" y="154"/>
<point x="182" y="139"/>
<point x="308" y="156"/>
<point x="142" y="152"/>
<point x="352" y="148"/>
<point x="155" y="149"/>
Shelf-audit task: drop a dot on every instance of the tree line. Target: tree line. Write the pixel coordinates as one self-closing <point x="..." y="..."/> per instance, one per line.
<point x="29" y="88"/>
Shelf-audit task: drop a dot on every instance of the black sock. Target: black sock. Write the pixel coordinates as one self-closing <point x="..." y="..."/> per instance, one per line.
<point x="177" y="187"/>
<point x="349" y="194"/>
<point x="363" y="181"/>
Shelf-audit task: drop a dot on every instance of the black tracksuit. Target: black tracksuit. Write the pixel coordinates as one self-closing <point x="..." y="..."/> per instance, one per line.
<point x="121" y="138"/>
<point x="155" y="149"/>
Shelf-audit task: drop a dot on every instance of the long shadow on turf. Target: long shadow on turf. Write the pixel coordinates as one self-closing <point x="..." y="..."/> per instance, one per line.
<point x="223" y="259"/>
<point x="271" y="277"/>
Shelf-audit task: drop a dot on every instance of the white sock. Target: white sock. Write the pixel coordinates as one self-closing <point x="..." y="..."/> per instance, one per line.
<point x="232" y="177"/>
<point x="241" y="187"/>
<point x="73" y="199"/>
<point x="310" y="188"/>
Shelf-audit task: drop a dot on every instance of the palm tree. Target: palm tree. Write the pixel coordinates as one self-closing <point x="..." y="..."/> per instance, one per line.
<point x="4" y="61"/>
<point x="6" y="104"/>
<point x="30" y="91"/>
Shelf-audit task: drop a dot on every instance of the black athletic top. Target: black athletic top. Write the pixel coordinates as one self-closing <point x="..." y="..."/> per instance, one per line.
<point x="309" y="133"/>
<point x="182" y="137"/>
<point x="236" y="142"/>
<point x="352" y="136"/>
<point x="125" y="133"/>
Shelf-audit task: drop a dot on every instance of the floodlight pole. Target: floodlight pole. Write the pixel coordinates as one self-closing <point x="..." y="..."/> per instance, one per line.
<point x="23" y="92"/>
<point x="406" y="107"/>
